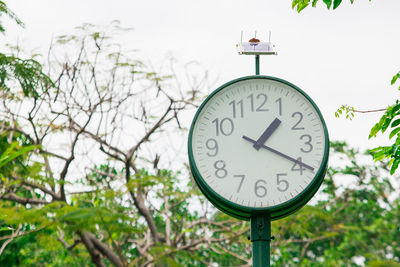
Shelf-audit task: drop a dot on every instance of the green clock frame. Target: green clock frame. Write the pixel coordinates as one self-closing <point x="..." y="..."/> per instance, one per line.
<point x="244" y="212"/>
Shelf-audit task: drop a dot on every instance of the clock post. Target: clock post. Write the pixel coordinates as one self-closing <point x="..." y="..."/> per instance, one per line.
<point x="260" y="224"/>
<point x="260" y="236"/>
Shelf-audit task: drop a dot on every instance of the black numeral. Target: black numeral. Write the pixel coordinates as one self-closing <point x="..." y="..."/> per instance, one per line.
<point x="308" y="146"/>
<point x="259" y="188"/>
<point x="220" y="171"/>
<point x="279" y="101"/>
<point x="240" y="105"/>
<point x="262" y="106"/>
<point x="241" y="176"/>
<point x="212" y="145"/>
<point x="263" y="103"/>
<point x="282" y="184"/>
<point x="300" y="118"/>
<point x="298" y="167"/>
<point x="251" y="97"/>
<point x="225" y="126"/>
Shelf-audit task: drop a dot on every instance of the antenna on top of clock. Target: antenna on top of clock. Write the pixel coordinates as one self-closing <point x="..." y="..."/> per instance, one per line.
<point x="256" y="47"/>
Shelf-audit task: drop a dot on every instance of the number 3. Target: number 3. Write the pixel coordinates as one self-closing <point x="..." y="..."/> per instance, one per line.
<point x="309" y="146"/>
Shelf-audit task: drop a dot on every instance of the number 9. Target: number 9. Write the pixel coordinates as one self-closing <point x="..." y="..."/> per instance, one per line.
<point x="212" y="145"/>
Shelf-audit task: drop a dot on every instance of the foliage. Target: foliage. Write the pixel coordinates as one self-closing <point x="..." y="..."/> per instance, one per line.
<point x="389" y="120"/>
<point x="299" y="5"/>
<point x="86" y="180"/>
<point x="27" y="72"/>
<point x="347" y="110"/>
<point x="95" y="187"/>
<point x="13" y="69"/>
<point x="4" y="10"/>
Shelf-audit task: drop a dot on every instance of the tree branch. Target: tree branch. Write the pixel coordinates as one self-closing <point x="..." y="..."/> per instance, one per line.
<point x="14" y="197"/>
<point x="13" y="235"/>
<point x="94" y="253"/>
<point x="95" y="246"/>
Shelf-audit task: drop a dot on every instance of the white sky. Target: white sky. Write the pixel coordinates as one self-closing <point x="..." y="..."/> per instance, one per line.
<point x="347" y="56"/>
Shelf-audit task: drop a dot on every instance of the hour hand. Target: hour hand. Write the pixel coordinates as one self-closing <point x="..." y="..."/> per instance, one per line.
<point x="266" y="134"/>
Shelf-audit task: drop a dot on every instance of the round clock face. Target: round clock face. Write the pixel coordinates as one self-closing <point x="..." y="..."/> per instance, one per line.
<point x="258" y="144"/>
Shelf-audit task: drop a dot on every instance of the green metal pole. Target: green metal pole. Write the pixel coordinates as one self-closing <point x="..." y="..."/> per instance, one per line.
<point x="260" y="226"/>
<point x="257" y="64"/>
<point x="260" y="236"/>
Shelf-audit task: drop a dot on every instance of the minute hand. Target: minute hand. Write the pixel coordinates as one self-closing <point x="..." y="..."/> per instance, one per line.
<point x="278" y="153"/>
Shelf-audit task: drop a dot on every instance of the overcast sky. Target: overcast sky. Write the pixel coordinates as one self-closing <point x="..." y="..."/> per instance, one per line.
<point x="346" y="56"/>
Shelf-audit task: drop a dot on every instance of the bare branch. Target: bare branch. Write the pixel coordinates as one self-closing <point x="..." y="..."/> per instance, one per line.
<point x="145" y="138"/>
<point x="10" y="238"/>
<point x="62" y="240"/>
<point x="370" y="111"/>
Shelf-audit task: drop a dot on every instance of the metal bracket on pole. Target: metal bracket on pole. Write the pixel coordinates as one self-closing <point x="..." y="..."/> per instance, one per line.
<point x="257" y="48"/>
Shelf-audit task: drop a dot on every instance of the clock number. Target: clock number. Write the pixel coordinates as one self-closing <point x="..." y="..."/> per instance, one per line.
<point x="261" y="107"/>
<point x="309" y="146"/>
<point x="226" y="126"/>
<point x="220" y="171"/>
<point x="263" y="103"/>
<point x="300" y="116"/>
<point x="212" y="145"/>
<point x="259" y="189"/>
<point x="279" y="101"/>
<point x="283" y="184"/>
<point x="251" y="97"/>
<point x="298" y="167"/>
<point x="240" y="104"/>
<point x="241" y="176"/>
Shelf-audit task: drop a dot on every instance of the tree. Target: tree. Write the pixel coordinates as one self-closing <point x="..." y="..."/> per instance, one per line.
<point x="92" y="179"/>
<point x="95" y="186"/>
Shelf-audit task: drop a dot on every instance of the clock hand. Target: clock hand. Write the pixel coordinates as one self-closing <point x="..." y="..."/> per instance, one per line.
<point x="279" y="153"/>
<point x="266" y="134"/>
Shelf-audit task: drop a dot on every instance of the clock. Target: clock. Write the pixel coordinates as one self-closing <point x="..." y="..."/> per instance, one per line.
<point x="258" y="145"/>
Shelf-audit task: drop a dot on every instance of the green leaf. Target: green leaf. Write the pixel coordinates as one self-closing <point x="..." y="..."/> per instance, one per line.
<point x="378" y="154"/>
<point x="395" y="108"/>
<point x="386" y="124"/>
<point x="374" y="131"/>
<point x="394" y="132"/>
<point x="395" y="77"/>
<point x="328" y="3"/>
<point x="6" y="229"/>
<point x="394" y="165"/>
<point x="301" y="6"/>
<point x="336" y="3"/>
<point x="395" y="123"/>
<point x="11" y="153"/>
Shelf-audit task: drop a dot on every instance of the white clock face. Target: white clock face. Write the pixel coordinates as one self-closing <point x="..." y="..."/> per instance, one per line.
<point x="258" y="143"/>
